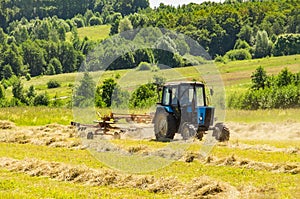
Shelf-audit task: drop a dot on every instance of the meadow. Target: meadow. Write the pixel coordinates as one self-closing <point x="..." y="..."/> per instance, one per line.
<point x="42" y="161"/>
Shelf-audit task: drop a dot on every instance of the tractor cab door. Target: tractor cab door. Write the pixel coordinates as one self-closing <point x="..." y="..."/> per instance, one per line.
<point x="170" y="100"/>
<point x="191" y="97"/>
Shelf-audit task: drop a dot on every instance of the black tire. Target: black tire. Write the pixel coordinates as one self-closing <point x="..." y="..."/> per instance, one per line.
<point x="90" y="136"/>
<point x="199" y="135"/>
<point x="221" y="133"/>
<point x="164" y="126"/>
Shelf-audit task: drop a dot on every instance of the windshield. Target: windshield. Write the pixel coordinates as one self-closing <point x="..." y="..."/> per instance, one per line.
<point x="192" y="93"/>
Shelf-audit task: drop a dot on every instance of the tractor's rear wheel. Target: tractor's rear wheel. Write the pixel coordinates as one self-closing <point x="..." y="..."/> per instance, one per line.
<point x="221" y="132"/>
<point x="164" y="126"/>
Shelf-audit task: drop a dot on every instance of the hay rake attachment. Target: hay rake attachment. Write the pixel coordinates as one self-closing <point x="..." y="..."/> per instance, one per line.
<point x="107" y="125"/>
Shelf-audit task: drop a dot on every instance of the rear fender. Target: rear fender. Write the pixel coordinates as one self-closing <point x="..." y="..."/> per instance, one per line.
<point x="161" y="108"/>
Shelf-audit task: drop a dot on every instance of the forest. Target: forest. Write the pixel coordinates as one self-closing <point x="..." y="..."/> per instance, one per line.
<point x="33" y="39"/>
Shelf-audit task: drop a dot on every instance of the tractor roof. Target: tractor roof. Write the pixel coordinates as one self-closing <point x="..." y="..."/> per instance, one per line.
<point x="182" y="82"/>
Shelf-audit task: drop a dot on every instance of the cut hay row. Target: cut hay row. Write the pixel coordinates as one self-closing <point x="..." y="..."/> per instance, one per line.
<point x="248" y="164"/>
<point x="264" y="147"/>
<point x="52" y="135"/>
<point x="203" y="187"/>
<point x="4" y="124"/>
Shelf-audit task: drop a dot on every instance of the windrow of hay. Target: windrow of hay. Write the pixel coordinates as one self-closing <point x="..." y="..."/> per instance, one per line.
<point x="203" y="187"/>
<point x="243" y="163"/>
<point x="7" y="124"/>
<point x="267" y="148"/>
<point x="52" y="135"/>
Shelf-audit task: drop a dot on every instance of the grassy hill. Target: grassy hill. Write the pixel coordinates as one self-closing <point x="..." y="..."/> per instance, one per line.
<point x="95" y="33"/>
<point x="236" y="75"/>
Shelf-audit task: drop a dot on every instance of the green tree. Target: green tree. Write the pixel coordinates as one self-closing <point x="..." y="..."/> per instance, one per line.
<point x="7" y="72"/>
<point x="41" y="100"/>
<point x="14" y="60"/>
<point x="3" y="36"/>
<point x="120" y="98"/>
<point x="57" y="65"/>
<point x="31" y="93"/>
<point x="246" y="34"/>
<point x="125" y="25"/>
<point x="285" y="78"/>
<point x="107" y="89"/>
<point x="144" y="96"/>
<point x="2" y="92"/>
<point x="53" y="84"/>
<point x="34" y="58"/>
<point x="50" y="70"/>
<point x="287" y="44"/>
<point x="263" y="45"/>
<point x="61" y="33"/>
<point x="95" y="21"/>
<point x="67" y="57"/>
<point x="18" y="91"/>
<point x="85" y="92"/>
<point x="259" y="78"/>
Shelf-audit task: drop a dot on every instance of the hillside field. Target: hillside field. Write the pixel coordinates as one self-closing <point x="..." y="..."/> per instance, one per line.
<point x="95" y="33"/>
<point x="41" y="156"/>
<point x="236" y="76"/>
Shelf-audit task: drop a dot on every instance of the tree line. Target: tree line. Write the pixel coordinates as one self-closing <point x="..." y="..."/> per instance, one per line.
<point x="12" y="10"/>
<point x="269" y="91"/>
<point x="110" y="94"/>
<point x="33" y="34"/>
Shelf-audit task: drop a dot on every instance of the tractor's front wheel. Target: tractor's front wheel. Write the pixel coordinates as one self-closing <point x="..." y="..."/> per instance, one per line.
<point x="187" y="131"/>
<point x="164" y="126"/>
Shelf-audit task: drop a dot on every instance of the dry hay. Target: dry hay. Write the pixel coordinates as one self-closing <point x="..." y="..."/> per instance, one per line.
<point x="53" y="135"/>
<point x="244" y="163"/>
<point x="7" y="124"/>
<point x="265" y="131"/>
<point x="267" y="148"/>
<point x="202" y="187"/>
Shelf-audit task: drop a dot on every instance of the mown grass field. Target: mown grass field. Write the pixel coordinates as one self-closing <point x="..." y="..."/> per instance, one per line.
<point x="284" y="184"/>
<point x="35" y="116"/>
<point x="236" y="76"/>
<point x="261" y="170"/>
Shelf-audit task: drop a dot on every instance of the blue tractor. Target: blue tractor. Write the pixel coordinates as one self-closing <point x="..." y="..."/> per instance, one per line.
<point x="184" y="109"/>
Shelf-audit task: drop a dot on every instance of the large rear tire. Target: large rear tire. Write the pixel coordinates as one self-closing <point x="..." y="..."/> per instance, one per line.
<point x="221" y="132"/>
<point x="164" y="126"/>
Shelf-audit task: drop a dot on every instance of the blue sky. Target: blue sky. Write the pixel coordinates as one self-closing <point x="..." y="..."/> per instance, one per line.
<point x="155" y="3"/>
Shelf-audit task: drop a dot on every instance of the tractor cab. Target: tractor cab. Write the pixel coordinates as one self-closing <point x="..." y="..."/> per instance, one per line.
<point x="183" y="109"/>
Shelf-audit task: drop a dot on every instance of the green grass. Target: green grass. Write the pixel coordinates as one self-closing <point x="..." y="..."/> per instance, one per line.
<point x="94" y="33"/>
<point x="236" y="76"/>
<point x="274" y="143"/>
<point x="36" y="116"/>
<point x="64" y="155"/>
<point x="185" y="172"/>
<point x="256" y="116"/>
